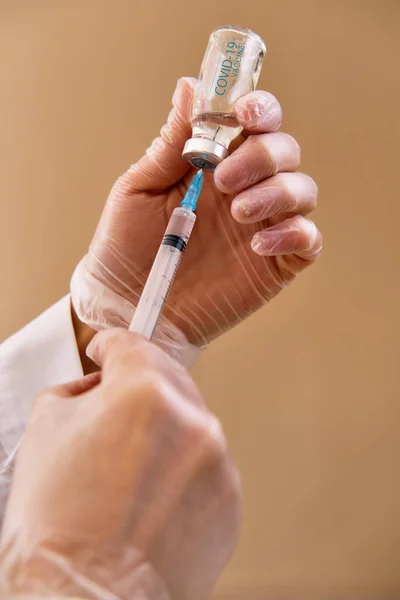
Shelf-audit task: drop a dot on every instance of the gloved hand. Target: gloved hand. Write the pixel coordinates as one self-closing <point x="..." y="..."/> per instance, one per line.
<point x="250" y="240"/>
<point x="123" y="488"/>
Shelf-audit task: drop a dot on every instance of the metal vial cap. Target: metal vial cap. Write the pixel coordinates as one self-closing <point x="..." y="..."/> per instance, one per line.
<point x="203" y="153"/>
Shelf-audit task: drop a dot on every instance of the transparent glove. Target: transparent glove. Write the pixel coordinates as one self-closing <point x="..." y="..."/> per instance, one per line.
<point x="123" y="488"/>
<point x="250" y="240"/>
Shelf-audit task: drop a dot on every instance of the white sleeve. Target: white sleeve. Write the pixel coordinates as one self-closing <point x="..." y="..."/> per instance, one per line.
<point x="42" y="354"/>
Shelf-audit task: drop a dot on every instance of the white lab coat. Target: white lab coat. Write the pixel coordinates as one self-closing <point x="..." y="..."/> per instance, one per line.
<point x="42" y="354"/>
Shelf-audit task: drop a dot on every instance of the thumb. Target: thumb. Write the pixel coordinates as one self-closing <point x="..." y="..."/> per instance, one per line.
<point x="118" y="348"/>
<point x="163" y="165"/>
<point x="73" y="388"/>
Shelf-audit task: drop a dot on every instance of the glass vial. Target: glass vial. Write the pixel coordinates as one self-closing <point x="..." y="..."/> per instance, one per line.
<point x="230" y="69"/>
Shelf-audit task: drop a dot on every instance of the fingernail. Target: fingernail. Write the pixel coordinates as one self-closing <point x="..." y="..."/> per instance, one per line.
<point x="251" y="111"/>
<point x="248" y="208"/>
<point x="245" y="207"/>
<point x="257" y="110"/>
<point x="256" y="245"/>
<point x="311" y="231"/>
<point x="259" y="204"/>
<point x="266" y="243"/>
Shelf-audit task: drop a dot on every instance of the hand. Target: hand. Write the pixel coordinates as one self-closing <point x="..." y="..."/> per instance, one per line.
<point x="250" y="241"/>
<point x="123" y="485"/>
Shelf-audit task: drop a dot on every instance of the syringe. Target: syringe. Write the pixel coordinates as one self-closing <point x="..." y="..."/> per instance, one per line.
<point x="167" y="261"/>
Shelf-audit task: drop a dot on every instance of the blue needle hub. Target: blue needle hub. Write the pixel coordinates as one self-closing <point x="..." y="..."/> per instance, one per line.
<point x="193" y="191"/>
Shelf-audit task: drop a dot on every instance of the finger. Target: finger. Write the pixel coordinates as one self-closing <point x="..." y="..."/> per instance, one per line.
<point x="297" y="236"/>
<point x="126" y="358"/>
<point x="162" y="165"/>
<point x="75" y="388"/>
<point x="259" y="157"/>
<point x="117" y="347"/>
<point x="259" y="112"/>
<point x="283" y="193"/>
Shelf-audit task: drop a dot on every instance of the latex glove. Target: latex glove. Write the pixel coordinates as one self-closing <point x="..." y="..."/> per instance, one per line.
<point x="250" y="240"/>
<point x="124" y="489"/>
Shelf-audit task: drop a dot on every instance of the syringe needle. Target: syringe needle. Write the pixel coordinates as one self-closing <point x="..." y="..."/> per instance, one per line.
<point x="167" y="261"/>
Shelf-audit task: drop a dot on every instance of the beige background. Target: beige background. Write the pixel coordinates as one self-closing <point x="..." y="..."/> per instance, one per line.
<point x="308" y="389"/>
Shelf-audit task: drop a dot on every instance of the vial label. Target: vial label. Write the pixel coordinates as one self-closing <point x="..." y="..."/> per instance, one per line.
<point x="228" y="67"/>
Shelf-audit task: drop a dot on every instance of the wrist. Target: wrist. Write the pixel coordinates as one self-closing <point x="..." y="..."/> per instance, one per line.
<point x="27" y="575"/>
<point x="48" y="573"/>
<point x="101" y="307"/>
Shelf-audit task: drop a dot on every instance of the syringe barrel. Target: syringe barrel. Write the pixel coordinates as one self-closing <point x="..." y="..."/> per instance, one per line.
<point x="163" y="272"/>
<point x="181" y="223"/>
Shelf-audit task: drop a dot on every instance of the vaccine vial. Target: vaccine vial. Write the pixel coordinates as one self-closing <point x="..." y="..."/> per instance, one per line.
<point x="230" y="69"/>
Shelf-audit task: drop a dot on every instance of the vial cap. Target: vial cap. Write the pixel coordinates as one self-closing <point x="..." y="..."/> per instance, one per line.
<point x="204" y="154"/>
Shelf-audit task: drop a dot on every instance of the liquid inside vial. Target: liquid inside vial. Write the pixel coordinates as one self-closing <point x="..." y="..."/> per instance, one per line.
<point x="221" y="127"/>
